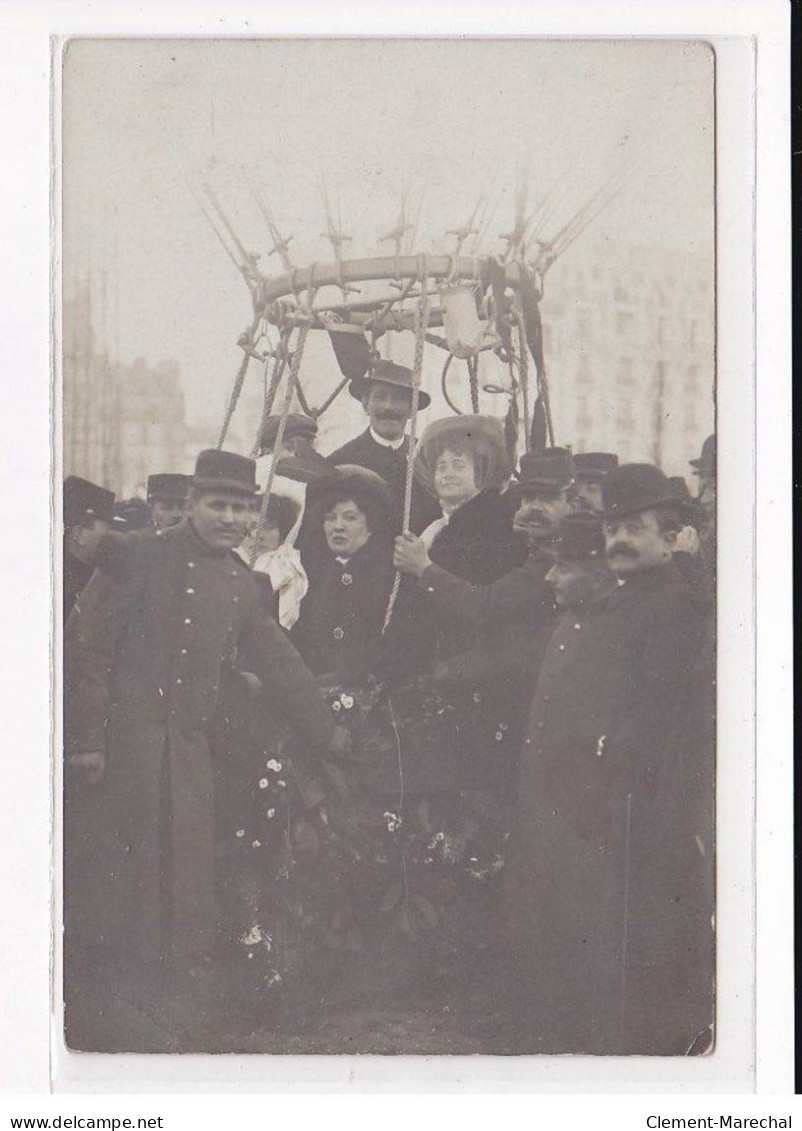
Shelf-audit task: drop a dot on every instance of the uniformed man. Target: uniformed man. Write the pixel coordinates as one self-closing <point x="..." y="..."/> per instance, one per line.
<point x="542" y="493"/>
<point x="88" y="515"/>
<point x="386" y="396"/>
<point x="589" y="470"/>
<point x="167" y="615"/>
<point x="609" y="956"/>
<point x="168" y="495"/>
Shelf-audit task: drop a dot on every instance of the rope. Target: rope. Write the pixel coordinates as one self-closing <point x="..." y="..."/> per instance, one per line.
<point x="292" y="380"/>
<point x="246" y="341"/>
<point x="523" y="364"/>
<point x="417" y="372"/>
<point x="473" y="377"/>
<point x="279" y="366"/>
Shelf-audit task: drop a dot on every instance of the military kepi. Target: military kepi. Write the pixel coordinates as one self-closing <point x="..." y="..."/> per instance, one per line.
<point x="637" y="487"/>
<point x="549" y="470"/>
<point x="580" y="538"/>
<point x="225" y="471"/>
<point x="83" y="499"/>
<point x="593" y="466"/>
<point x="168" y="487"/>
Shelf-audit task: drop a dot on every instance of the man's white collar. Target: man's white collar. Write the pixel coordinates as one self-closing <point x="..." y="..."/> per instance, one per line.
<point x="394" y="444"/>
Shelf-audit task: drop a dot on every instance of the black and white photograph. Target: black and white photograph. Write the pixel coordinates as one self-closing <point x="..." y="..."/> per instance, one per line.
<point x="387" y="565"/>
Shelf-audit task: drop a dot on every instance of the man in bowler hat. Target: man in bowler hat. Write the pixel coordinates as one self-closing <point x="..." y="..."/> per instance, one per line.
<point x="590" y="469"/>
<point x="614" y="971"/>
<point x="168" y="614"/>
<point x="385" y="393"/>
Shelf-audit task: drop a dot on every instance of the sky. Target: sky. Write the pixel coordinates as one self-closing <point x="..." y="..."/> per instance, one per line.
<point x="145" y="121"/>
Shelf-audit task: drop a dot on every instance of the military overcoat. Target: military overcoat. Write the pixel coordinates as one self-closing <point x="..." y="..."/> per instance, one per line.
<point x="145" y="650"/>
<point x="601" y="844"/>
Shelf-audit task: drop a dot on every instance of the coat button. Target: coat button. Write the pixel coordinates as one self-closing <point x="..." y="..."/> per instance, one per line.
<point x="187" y="620"/>
<point x="235" y="600"/>
<point x="191" y="565"/>
<point x="577" y="627"/>
<point x="338" y="633"/>
<point x="562" y="647"/>
<point x="179" y="681"/>
<point x="347" y="579"/>
<point x="183" y="651"/>
<point x="190" y="590"/>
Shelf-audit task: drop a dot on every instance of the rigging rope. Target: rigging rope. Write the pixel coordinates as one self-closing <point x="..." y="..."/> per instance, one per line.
<point x="417" y="371"/>
<point x="280" y="362"/>
<point x="246" y="342"/>
<point x="292" y="380"/>
<point x="523" y="373"/>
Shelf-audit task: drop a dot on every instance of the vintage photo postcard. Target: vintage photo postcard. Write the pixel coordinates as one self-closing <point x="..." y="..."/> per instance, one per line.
<point x="387" y="481"/>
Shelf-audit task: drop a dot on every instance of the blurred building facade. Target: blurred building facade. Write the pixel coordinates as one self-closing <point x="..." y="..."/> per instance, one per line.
<point x="120" y="422"/>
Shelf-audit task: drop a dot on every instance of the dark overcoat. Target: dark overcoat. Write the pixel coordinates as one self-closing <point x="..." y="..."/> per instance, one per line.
<point x="76" y="578"/>
<point x="339" y="629"/>
<point x="597" y="919"/>
<point x="392" y="466"/>
<point x="161" y="622"/>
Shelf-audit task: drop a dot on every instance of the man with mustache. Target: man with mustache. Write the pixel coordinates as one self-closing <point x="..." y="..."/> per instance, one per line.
<point x="165" y="621"/>
<point x="541" y="497"/>
<point x="386" y="396"/>
<point x="606" y="963"/>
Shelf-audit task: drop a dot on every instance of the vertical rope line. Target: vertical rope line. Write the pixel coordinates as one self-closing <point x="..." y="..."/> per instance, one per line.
<point x="279" y="364"/>
<point x="292" y="379"/>
<point x="473" y="376"/>
<point x="417" y="371"/>
<point x="246" y="341"/>
<point x="523" y="366"/>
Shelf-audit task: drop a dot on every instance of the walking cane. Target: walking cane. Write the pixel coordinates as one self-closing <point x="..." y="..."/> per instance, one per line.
<point x="625" y="924"/>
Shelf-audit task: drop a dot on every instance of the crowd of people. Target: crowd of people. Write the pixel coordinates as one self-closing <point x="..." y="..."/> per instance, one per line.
<point x="292" y="782"/>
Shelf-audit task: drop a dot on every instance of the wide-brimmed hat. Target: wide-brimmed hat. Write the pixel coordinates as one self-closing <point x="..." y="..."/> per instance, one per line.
<point x="706" y="463"/>
<point x="168" y="487"/>
<point x="84" y="499"/>
<point x="367" y="489"/>
<point x="225" y="471"/>
<point x="594" y="466"/>
<point x="550" y="470"/>
<point x="298" y="424"/>
<point x="387" y="373"/>
<point x="484" y="435"/>
<point x="579" y="537"/>
<point x="308" y="467"/>
<point x="636" y="487"/>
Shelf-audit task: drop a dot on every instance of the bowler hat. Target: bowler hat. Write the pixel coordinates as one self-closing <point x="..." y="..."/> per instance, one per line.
<point x="168" y="487"/>
<point x="83" y="499"/>
<point x="368" y="490"/>
<point x="579" y="537"/>
<point x="387" y="373"/>
<point x="594" y="465"/>
<point x="308" y="467"/>
<point x="549" y="470"/>
<point x="636" y="487"/>
<point x="225" y="471"/>
<point x="706" y="463"/>
<point x="297" y="424"/>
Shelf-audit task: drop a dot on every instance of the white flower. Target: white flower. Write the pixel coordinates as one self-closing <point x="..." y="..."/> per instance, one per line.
<point x="281" y="783"/>
<point x="271" y="813"/>
<point x="240" y="832"/>
<point x="347" y="701"/>
<point x="274" y="765"/>
<point x="499" y="736"/>
<point x="336" y="705"/>
<point x="263" y="783"/>
<point x="256" y="844"/>
<point x="252" y="937"/>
